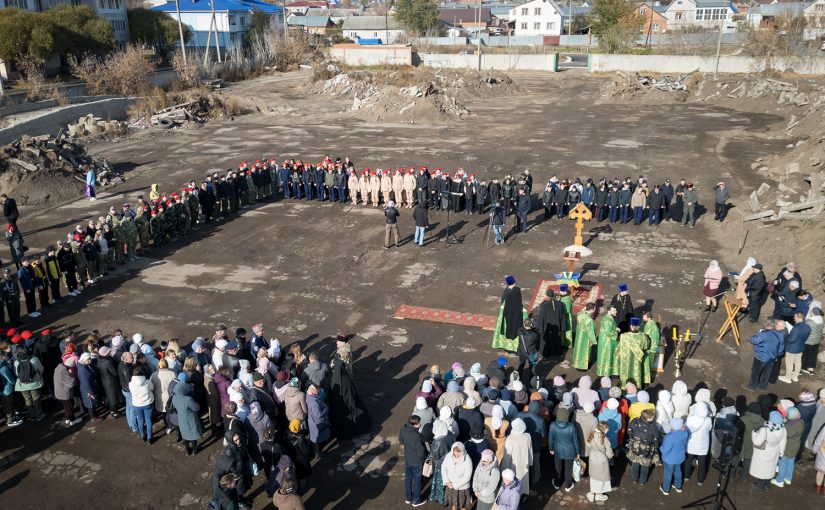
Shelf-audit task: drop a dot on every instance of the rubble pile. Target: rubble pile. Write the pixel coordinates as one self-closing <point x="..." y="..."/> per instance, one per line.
<point x="420" y="96"/>
<point x="91" y="125"/>
<point x="29" y="158"/>
<point x="197" y="110"/>
<point x="628" y="85"/>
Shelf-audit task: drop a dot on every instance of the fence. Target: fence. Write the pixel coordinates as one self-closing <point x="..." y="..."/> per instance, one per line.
<point x="499" y="62"/>
<point x="689" y="63"/>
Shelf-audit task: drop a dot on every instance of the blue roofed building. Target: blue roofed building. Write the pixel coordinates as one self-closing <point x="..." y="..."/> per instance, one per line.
<point x="233" y="19"/>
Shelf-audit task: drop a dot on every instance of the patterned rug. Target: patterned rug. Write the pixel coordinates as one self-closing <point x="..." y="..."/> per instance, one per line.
<point x="586" y="292"/>
<point x="474" y="320"/>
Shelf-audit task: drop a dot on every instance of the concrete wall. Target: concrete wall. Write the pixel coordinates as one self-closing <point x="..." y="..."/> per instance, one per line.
<point x="51" y="122"/>
<point x="499" y="62"/>
<point x="679" y="64"/>
<point x="354" y="54"/>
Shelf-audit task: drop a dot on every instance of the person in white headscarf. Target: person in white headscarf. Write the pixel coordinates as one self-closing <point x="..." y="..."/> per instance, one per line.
<point x="664" y="411"/>
<point x="518" y="453"/>
<point x="423" y="411"/>
<point x="681" y="399"/>
<point x="713" y="278"/>
<point x="497" y="428"/>
<point x="741" y="279"/>
<point x="445" y="416"/>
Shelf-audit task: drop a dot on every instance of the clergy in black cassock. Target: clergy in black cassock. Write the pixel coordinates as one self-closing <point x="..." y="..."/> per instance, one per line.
<point x="624" y="305"/>
<point x="550" y="323"/>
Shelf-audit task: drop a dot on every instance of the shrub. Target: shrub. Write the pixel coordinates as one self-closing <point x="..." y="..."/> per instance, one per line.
<point x="125" y="72"/>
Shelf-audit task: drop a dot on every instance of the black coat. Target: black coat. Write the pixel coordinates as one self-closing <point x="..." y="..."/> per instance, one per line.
<point x="415" y="451"/>
<point x="348" y="414"/>
<point x="656" y="200"/>
<point x="528" y="344"/>
<point x="624" y="305"/>
<point x="110" y="380"/>
<point x="513" y="312"/>
<point x="420" y="216"/>
<point x="10" y="210"/>
<point x="470" y="423"/>
<point x="755" y="288"/>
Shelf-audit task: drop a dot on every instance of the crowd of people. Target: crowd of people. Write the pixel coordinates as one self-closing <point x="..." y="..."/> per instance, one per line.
<point x="274" y="409"/>
<point x="479" y="436"/>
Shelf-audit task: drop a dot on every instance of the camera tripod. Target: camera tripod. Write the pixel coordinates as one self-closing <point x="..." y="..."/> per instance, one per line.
<point x="449" y="237"/>
<point x="718" y="498"/>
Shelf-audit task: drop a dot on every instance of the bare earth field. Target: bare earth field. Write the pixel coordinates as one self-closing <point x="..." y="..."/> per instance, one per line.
<point x="308" y="270"/>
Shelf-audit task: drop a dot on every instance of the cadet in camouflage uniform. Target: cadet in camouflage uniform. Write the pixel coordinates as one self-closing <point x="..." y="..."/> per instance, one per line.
<point x="109" y="233"/>
<point x="194" y="205"/>
<point x="142" y="224"/>
<point x="187" y="218"/>
<point x="156" y="227"/>
<point x="252" y="190"/>
<point x="130" y="235"/>
<point x="80" y="264"/>
<point x="120" y="241"/>
<point x="167" y="219"/>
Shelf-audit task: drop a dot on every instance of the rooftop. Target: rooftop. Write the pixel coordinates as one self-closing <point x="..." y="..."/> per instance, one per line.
<point x="309" y="21"/>
<point x="463" y="15"/>
<point x="220" y="5"/>
<point x="371" y="23"/>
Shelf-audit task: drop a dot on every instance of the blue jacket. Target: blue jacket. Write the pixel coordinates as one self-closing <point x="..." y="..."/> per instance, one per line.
<point x="187" y="412"/>
<point x="563" y="439"/>
<point x="674" y="446"/>
<point x="90" y="178"/>
<point x="89" y="377"/>
<point x="795" y="343"/>
<point x="7" y="375"/>
<point x="25" y="279"/>
<point x="768" y="344"/>
<point x="588" y="195"/>
<point x="614" y="422"/>
<point x="318" y="419"/>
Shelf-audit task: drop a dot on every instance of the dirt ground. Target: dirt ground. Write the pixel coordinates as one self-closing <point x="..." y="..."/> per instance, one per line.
<point x="308" y="270"/>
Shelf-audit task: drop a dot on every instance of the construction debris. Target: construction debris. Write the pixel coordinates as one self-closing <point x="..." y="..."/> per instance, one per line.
<point x="46" y="154"/>
<point x="91" y="125"/>
<point x="413" y="96"/>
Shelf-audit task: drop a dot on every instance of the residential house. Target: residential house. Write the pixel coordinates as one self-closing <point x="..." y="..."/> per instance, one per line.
<point x="537" y="17"/>
<point x="681" y="14"/>
<point x="300" y="7"/>
<point x="336" y="15"/>
<point x="654" y="16"/>
<point x="568" y="14"/>
<point x="468" y="18"/>
<point x="113" y="11"/>
<point x="315" y="25"/>
<point x="815" y="14"/>
<point x="232" y="18"/>
<point x="384" y="29"/>
<point x="764" y="15"/>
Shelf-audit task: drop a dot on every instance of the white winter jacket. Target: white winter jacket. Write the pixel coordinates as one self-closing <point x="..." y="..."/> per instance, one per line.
<point x="681" y="399"/>
<point x="765" y="460"/>
<point x="699" y="425"/>
<point x="142" y="391"/>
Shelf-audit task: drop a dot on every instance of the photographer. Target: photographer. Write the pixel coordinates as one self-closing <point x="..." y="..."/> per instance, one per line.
<point x="391" y="214"/>
<point x="497" y="221"/>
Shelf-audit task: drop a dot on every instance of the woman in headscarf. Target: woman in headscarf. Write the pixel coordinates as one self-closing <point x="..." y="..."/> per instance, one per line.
<point x="664" y="411"/>
<point x="245" y="373"/>
<point x="295" y="403"/>
<point x="445" y="416"/>
<point x="234" y="460"/>
<point x="423" y="411"/>
<point x="768" y="444"/>
<point x="518" y="453"/>
<point x="636" y="408"/>
<point x="599" y="463"/>
<point x="89" y="378"/>
<point x="457" y="475"/>
<point x="222" y="382"/>
<point x="348" y="414"/>
<point x="700" y="426"/>
<point x="317" y="419"/>
<point x="610" y="414"/>
<point x="213" y="400"/>
<point x="741" y="280"/>
<point x="497" y="428"/>
<point x="431" y="391"/>
<point x="469" y="384"/>
<point x="438" y="452"/>
<point x="713" y="278"/>
<point x="189" y="425"/>
<point x="299" y="449"/>
<point x="702" y="398"/>
<point x="681" y="399"/>
<point x="584" y="393"/>
<point x="787" y="462"/>
<point x="475" y="372"/>
<point x="510" y="493"/>
<point x="453" y="397"/>
<point x="485" y="480"/>
<point x="256" y="424"/>
<point x="811" y="349"/>
<point x="643" y="440"/>
<point x="162" y="381"/>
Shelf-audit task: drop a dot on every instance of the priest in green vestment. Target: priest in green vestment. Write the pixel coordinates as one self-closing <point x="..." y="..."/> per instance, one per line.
<point x="651" y="329"/>
<point x="585" y="337"/>
<point x="511" y="316"/>
<point x="567" y="301"/>
<point x="606" y="364"/>
<point x="632" y="354"/>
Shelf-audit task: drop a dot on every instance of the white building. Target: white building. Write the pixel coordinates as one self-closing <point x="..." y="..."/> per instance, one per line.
<point x="114" y="11"/>
<point x="815" y="14"/>
<point x="702" y="13"/>
<point x="538" y="17"/>
<point x="232" y="18"/>
<point x="376" y="29"/>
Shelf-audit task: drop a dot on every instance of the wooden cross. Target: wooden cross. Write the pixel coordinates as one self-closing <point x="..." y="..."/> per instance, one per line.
<point x="580" y="213"/>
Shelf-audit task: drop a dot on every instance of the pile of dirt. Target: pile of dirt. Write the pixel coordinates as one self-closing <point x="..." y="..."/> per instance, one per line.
<point x="414" y="95"/>
<point x="44" y="170"/>
<point x="634" y="87"/>
<point x="91" y="126"/>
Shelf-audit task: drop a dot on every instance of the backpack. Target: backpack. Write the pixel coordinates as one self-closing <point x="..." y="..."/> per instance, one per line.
<point x="25" y="371"/>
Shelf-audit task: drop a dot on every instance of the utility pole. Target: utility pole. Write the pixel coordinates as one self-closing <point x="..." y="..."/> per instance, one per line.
<point x="283" y="14"/>
<point x="217" y="34"/>
<point x="478" y="34"/>
<point x="180" y="29"/>
<point x="719" y="46"/>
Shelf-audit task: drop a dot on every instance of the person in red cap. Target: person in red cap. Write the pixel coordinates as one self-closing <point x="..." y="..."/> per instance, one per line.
<point x="364" y="186"/>
<point x="375" y="188"/>
<point x="397" y="187"/>
<point x="352" y="186"/>
<point x="409" y="188"/>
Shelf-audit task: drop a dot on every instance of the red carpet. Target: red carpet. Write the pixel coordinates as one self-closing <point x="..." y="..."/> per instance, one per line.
<point x="586" y="292"/>
<point x="473" y="320"/>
